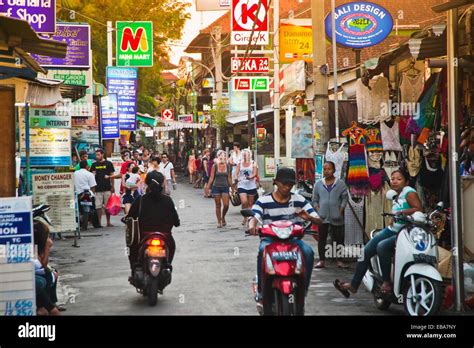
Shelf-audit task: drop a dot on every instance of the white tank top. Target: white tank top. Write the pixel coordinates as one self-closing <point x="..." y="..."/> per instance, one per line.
<point x="390" y="137"/>
<point x="243" y="182"/>
<point x="337" y="158"/>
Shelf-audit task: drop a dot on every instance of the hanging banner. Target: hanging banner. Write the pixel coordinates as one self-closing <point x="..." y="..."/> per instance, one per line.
<point x="360" y="24"/>
<point x="109" y="119"/>
<point x="40" y="14"/>
<point x="123" y="82"/>
<point x="296" y="40"/>
<point x="302" y="143"/>
<point x="135" y="44"/>
<point x="78" y="39"/>
<point x="57" y="191"/>
<point x="17" y="271"/>
<point x="249" y="22"/>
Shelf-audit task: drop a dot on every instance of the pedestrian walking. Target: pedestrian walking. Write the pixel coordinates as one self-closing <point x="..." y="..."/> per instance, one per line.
<point x="235" y="158"/>
<point x="130" y="181"/>
<point x="198" y="162"/>
<point x="103" y="171"/>
<point x="191" y="166"/>
<point x="167" y="169"/>
<point x="330" y="198"/>
<point x="205" y="169"/>
<point x="245" y="177"/>
<point x="220" y="181"/>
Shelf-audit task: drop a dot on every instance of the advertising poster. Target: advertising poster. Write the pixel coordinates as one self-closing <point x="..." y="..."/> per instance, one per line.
<point x="57" y="191"/>
<point x="296" y="40"/>
<point x="109" y="119"/>
<point x="319" y="163"/>
<point x="40" y="14"/>
<point x="302" y="143"/>
<point x="77" y="37"/>
<point x="270" y="171"/>
<point x="134" y="44"/>
<point x="58" y="116"/>
<point x="85" y="139"/>
<point x="17" y="295"/>
<point x="123" y="82"/>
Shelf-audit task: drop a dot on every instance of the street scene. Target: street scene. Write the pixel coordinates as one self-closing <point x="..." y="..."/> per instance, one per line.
<point x="238" y="158"/>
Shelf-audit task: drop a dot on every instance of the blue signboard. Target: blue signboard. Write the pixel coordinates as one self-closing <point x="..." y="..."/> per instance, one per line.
<point x="360" y="24"/>
<point x="123" y="82"/>
<point x="109" y="119"/>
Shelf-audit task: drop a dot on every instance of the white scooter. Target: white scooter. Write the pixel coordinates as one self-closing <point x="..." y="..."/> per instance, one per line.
<point x="415" y="277"/>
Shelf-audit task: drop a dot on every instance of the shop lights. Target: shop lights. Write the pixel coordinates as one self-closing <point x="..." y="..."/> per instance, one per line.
<point x="415" y="46"/>
<point x="438" y="29"/>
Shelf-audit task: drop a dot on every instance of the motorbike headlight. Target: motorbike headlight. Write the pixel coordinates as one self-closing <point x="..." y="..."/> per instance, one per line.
<point x="420" y="238"/>
<point x="283" y="232"/>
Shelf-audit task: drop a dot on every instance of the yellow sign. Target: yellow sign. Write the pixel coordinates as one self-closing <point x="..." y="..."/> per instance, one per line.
<point x="296" y="43"/>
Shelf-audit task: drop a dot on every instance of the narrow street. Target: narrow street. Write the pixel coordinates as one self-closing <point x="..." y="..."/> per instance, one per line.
<point x="213" y="270"/>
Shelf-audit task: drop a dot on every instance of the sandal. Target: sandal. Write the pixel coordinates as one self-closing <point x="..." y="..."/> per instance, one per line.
<point x="320" y="265"/>
<point x="338" y="285"/>
<point x="224" y="223"/>
<point x="386" y="290"/>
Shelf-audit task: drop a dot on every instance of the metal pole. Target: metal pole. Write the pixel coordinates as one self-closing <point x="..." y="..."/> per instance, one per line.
<point x="27" y="150"/>
<point x="255" y="127"/>
<point x="276" y="81"/>
<point x="454" y="177"/>
<point x="320" y="117"/>
<point x="334" y="63"/>
<point x="110" y="54"/>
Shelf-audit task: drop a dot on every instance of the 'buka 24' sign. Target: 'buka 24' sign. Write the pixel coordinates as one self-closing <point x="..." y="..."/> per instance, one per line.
<point x="360" y="24"/>
<point x="40" y="14"/>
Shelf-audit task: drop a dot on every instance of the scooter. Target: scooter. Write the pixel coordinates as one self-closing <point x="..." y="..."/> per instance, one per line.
<point x="415" y="277"/>
<point x="283" y="283"/>
<point x="86" y="206"/>
<point x="153" y="271"/>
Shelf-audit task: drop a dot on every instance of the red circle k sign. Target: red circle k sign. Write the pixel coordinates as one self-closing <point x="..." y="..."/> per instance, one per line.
<point x="246" y="13"/>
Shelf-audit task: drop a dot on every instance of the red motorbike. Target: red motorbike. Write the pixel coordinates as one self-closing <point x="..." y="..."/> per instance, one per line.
<point x="283" y="276"/>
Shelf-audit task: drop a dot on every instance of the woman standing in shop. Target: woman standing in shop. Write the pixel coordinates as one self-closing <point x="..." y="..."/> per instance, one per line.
<point x="220" y="181"/>
<point x="329" y="200"/>
<point x="245" y="176"/>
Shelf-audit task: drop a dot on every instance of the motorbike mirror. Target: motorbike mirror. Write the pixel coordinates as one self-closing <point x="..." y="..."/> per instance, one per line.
<point x="247" y="213"/>
<point x="391" y="195"/>
<point x="440" y="206"/>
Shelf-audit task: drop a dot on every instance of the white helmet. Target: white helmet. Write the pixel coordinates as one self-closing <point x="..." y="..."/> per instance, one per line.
<point x="419" y="217"/>
<point x="391" y="195"/>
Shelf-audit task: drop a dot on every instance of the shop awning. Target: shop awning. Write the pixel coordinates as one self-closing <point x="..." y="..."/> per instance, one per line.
<point x="151" y="121"/>
<point x="239" y="117"/>
<point x="43" y="92"/>
<point x="99" y="89"/>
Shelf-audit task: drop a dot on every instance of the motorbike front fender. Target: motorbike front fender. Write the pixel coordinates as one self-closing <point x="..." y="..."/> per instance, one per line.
<point x="425" y="270"/>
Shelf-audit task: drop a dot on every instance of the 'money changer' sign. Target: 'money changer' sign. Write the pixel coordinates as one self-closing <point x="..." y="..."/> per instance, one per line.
<point x="41" y="14"/>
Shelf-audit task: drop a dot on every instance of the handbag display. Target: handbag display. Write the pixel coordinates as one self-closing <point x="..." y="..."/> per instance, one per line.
<point x="133" y="227"/>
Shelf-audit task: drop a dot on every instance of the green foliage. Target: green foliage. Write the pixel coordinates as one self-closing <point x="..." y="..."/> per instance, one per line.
<point x="147" y="105"/>
<point x="219" y="115"/>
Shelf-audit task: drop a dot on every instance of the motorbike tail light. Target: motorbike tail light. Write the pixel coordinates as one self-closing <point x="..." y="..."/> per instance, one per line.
<point x="156" y="251"/>
<point x="155" y="242"/>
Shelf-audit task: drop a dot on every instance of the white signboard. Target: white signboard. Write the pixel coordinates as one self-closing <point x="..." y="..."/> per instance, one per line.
<point x="249" y="22"/>
<point x="212" y="5"/>
<point x="57" y="191"/>
<point x="17" y="274"/>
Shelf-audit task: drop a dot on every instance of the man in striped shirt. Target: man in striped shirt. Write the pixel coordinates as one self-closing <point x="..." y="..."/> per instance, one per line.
<point x="283" y="205"/>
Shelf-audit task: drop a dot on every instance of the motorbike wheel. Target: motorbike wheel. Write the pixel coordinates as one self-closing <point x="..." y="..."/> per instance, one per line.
<point x="84" y="221"/>
<point x="426" y="300"/>
<point x="285" y="306"/>
<point x="152" y="292"/>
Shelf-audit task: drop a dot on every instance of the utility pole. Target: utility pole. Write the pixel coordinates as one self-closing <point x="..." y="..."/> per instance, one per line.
<point x="276" y="80"/>
<point x="320" y="118"/>
<point x="218" y="66"/>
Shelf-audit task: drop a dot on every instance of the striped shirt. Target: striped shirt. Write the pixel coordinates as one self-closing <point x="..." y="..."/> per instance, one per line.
<point x="267" y="209"/>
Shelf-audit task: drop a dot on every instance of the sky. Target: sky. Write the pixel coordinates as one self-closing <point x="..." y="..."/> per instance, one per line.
<point x="198" y="21"/>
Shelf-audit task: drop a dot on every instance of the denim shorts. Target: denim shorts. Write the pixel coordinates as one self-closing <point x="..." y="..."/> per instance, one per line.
<point x="216" y="191"/>
<point x="247" y="192"/>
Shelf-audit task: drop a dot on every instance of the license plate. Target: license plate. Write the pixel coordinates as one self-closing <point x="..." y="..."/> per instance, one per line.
<point x="422" y="258"/>
<point x="154" y="252"/>
<point x="285" y="256"/>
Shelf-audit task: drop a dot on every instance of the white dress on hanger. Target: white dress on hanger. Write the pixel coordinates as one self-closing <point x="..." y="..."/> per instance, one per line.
<point x="391" y="137"/>
<point x="411" y="88"/>
<point x="337" y="158"/>
<point x="371" y="102"/>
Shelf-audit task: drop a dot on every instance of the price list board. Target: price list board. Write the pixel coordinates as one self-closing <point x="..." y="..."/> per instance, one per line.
<point x="17" y="285"/>
<point x="57" y="191"/>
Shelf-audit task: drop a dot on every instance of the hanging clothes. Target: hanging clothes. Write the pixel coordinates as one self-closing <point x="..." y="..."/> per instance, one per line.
<point x="431" y="174"/>
<point x="358" y="176"/>
<point x="405" y="136"/>
<point x="354" y="222"/>
<point x="411" y="88"/>
<point x="373" y="212"/>
<point x="373" y="140"/>
<point x="428" y="102"/>
<point x="391" y="137"/>
<point x="337" y="158"/>
<point x="413" y="161"/>
<point x="372" y="102"/>
<point x="391" y="163"/>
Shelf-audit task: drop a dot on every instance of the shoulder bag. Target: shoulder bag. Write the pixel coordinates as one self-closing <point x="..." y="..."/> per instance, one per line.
<point x="133" y="227"/>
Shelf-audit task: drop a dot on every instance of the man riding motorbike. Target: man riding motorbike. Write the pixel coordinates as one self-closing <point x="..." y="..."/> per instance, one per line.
<point x="157" y="214"/>
<point x="283" y="205"/>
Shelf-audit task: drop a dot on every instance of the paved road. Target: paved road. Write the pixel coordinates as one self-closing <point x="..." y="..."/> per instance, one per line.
<point x="213" y="269"/>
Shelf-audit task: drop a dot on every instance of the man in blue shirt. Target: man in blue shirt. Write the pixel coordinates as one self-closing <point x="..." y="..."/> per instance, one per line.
<point x="283" y="205"/>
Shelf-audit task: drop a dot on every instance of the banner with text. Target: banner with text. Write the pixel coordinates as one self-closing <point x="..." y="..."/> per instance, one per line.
<point x="123" y="82"/>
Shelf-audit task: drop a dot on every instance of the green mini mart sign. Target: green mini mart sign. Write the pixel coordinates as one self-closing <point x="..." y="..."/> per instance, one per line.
<point x="135" y="44"/>
<point x="251" y="84"/>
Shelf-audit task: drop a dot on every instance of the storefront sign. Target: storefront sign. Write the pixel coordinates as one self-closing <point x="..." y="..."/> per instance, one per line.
<point x="185" y="118"/>
<point x="360" y="24"/>
<point x="249" y="22"/>
<point x="57" y="191"/>
<point x="212" y="5"/>
<point x="58" y="116"/>
<point x="123" y="82"/>
<point x="40" y="14"/>
<point x="109" y="119"/>
<point x="17" y="272"/>
<point x="77" y="37"/>
<point x="250" y="65"/>
<point x="251" y="84"/>
<point x="208" y="82"/>
<point x="270" y="170"/>
<point x="296" y="40"/>
<point x="135" y="44"/>
<point x="167" y="114"/>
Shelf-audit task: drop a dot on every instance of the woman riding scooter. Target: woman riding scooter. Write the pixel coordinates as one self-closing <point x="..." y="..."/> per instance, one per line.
<point x="157" y="214"/>
<point x="407" y="202"/>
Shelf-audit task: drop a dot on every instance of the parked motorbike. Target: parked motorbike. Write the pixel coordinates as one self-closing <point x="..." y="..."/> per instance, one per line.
<point x="283" y="283"/>
<point x="86" y="206"/>
<point x="415" y="277"/>
<point x="39" y="213"/>
<point x="152" y="273"/>
<point x="305" y="188"/>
